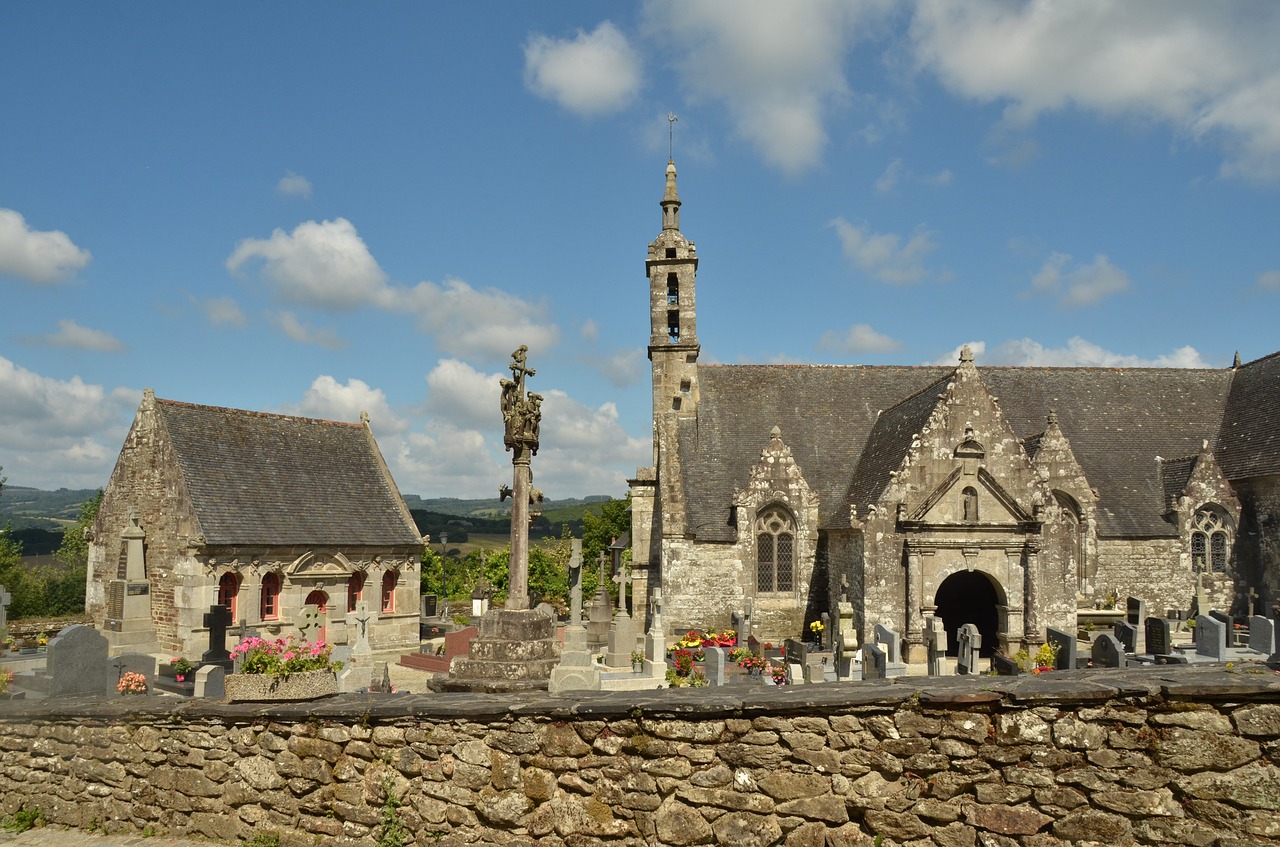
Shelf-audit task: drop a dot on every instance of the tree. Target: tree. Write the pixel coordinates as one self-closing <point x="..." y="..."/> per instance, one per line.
<point x="74" y="550"/>
<point x="599" y="532"/>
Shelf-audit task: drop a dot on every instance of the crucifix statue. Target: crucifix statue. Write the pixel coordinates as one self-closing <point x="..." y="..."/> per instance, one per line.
<point x="522" y="417"/>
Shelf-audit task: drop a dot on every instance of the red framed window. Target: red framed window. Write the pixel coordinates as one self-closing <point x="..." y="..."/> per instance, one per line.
<point x="270" y="607"/>
<point x="355" y="590"/>
<point x="228" y="592"/>
<point x="389" y="580"/>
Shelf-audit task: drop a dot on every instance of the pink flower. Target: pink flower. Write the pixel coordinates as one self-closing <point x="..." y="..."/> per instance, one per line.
<point x="287" y="656"/>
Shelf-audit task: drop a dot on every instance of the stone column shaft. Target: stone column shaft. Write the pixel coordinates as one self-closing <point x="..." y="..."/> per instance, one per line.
<point x="518" y="584"/>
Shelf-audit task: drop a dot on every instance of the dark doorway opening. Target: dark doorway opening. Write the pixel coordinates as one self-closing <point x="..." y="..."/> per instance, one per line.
<point x="969" y="597"/>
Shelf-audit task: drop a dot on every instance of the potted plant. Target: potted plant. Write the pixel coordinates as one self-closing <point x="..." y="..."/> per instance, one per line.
<point x="1045" y="658"/>
<point x="754" y="664"/>
<point x="637" y="661"/>
<point x="282" y="669"/>
<point x="779" y="674"/>
<point x="181" y="668"/>
<point x="816" y="627"/>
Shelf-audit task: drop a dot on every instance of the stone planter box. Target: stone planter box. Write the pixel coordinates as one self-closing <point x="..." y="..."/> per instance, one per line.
<point x="254" y="687"/>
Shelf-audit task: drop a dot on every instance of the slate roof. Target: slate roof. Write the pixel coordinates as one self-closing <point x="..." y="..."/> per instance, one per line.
<point x="1117" y="420"/>
<point x="1249" y="441"/>
<point x="263" y="479"/>
<point x="1174" y="476"/>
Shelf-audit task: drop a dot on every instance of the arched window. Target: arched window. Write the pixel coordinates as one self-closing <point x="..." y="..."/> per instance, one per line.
<point x="389" y="580"/>
<point x="970" y="504"/>
<point x="228" y="592"/>
<point x="775" y="551"/>
<point x="355" y="590"/>
<point x="1210" y="541"/>
<point x="270" y="606"/>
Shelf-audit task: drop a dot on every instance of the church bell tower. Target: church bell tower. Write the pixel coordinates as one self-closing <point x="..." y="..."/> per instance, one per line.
<point x="672" y="266"/>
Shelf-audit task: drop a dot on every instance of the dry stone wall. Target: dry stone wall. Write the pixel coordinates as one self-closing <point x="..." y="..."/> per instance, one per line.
<point x="1157" y="756"/>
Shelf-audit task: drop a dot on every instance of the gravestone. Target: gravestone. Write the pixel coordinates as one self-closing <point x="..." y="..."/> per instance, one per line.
<point x="1135" y="616"/>
<point x="576" y="670"/>
<point x="1064" y="646"/>
<point x="1262" y="635"/>
<point x="1228" y="622"/>
<point x="846" y="644"/>
<point x="5" y="599"/>
<point x="795" y="655"/>
<point x="135" y="663"/>
<point x="429" y="604"/>
<point x="713" y="666"/>
<point x="600" y="614"/>
<point x="827" y="637"/>
<point x="935" y="642"/>
<point x="970" y="643"/>
<point x="218" y="619"/>
<point x="1159" y="632"/>
<point x="1004" y="666"/>
<point x="77" y="663"/>
<point x="1108" y="652"/>
<point x="211" y="682"/>
<point x="361" y="651"/>
<point x="889" y="641"/>
<point x="874" y="661"/>
<point x="309" y="626"/>
<point x="1126" y="634"/>
<point x="1211" y="638"/>
<point x="655" y="643"/>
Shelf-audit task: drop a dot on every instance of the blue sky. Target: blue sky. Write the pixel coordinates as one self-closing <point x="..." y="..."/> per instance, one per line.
<point x="321" y="208"/>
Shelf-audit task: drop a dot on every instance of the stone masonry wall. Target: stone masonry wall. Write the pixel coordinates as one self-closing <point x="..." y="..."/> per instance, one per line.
<point x="1156" y="570"/>
<point x="1166" y="755"/>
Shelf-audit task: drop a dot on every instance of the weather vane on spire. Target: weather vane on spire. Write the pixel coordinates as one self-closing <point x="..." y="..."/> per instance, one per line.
<point x="671" y="135"/>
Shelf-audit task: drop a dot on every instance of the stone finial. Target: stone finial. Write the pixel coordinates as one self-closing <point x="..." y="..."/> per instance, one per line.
<point x="1235" y="364"/>
<point x="966" y="354"/>
<point x="775" y="434"/>
<point x="1052" y="418"/>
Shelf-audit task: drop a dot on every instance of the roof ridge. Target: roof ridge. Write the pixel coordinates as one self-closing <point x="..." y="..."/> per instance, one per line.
<point x="1259" y="360"/>
<point x="270" y="415"/>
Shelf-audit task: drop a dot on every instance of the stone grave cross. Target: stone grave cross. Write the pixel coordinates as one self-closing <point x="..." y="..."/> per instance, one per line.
<point x="575" y="582"/>
<point x="218" y="619"/>
<point x="310" y="622"/>
<point x="361" y="651"/>
<point x="1253" y="597"/>
<point x="5" y="599"/>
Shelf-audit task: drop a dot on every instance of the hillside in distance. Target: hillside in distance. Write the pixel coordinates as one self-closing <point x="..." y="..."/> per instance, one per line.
<point x="32" y="508"/>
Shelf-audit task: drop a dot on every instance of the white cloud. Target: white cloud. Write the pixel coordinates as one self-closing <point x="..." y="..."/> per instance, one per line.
<point x="622" y="367"/>
<point x="39" y="257"/>
<point x="73" y="335"/>
<point x="1269" y="281"/>
<point x="293" y="185"/>
<point x="1025" y="352"/>
<point x="470" y="322"/>
<point x="221" y="311"/>
<point x="325" y="265"/>
<point x="464" y="396"/>
<point x="445" y="458"/>
<point x="331" y="400"/>
<point x="777" y="67"/>
<point x="859" y="338"/>
<point x="942" y="177"/>
<point x="885" y="255"/>
<point x="590" y="74"/>
<point x="1083" y="285"/>
<point x="590" y="331"/>
<point x="60" y="433"/>
<point x="889" y="179"/>
<point x="1209" y="71"/>
<point x="296" y="330"/>
<point x="585" y="449"/>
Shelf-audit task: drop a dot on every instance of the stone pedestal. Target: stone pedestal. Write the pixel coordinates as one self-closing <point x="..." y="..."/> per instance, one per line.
<point x="576" y="671"/>
<point x="515" y="650"/>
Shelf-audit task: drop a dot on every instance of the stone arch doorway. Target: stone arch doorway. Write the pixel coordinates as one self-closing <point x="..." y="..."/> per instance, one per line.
<point x="320" y="600"/>
<point x="969" y="597"/>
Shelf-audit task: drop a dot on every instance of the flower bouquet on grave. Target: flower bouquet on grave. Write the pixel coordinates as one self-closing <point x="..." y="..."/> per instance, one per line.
<point x="726" y="638"/>
<point x="132" y="683"/>
<point x="1045" y="658"/>
<point x="699" y="655"/>
<point x="753" y="663"/>
<point x="6" y="677"/>
<point x="692" y="638"/>
<point x="779" y="674"/>
<point x="816" y="627"/>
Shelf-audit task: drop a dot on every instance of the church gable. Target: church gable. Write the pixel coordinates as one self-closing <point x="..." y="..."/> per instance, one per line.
<point x="965" y="465"/>
<point x="776" y="478"/>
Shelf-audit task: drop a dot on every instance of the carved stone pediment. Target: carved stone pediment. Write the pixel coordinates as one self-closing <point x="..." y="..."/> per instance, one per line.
<point x="309" y="566"/>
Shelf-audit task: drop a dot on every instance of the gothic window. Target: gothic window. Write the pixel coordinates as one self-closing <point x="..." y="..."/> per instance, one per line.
<point x="673" y="289"/>
<point x="355" y="590"/>
<point x="1210" y="541"/>
<point x="228" y="592"/>
<point x="270" y="607"/>
<point x="389" y="580"/>
<point x="970" y="495"/>
<point x="775" y="551"/>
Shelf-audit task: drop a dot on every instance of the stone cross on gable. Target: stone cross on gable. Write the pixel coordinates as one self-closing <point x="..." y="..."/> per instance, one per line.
<point x="218" y="620"/>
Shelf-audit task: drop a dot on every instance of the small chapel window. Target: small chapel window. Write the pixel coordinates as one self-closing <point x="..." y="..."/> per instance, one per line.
<point x="970" y="495"/>
<point x="355" y="590"/>
<point x="270" y="606"/>
<point x="228" y="592"/>
<point x="1210" y="541"/>
<point x="775" y="551"/>
<point x="389" y="580"/>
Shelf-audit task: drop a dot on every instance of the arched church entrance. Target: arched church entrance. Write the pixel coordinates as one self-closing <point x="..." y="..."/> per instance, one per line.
<point x="969" y="597"/>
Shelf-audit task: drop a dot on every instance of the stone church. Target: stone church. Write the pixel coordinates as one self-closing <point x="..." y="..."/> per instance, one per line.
<point x="1002" y="496"/>
<point x="283" y="520"/>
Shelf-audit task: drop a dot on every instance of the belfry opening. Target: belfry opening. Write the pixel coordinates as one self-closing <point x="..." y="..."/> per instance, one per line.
<point x="969" y="597"/>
